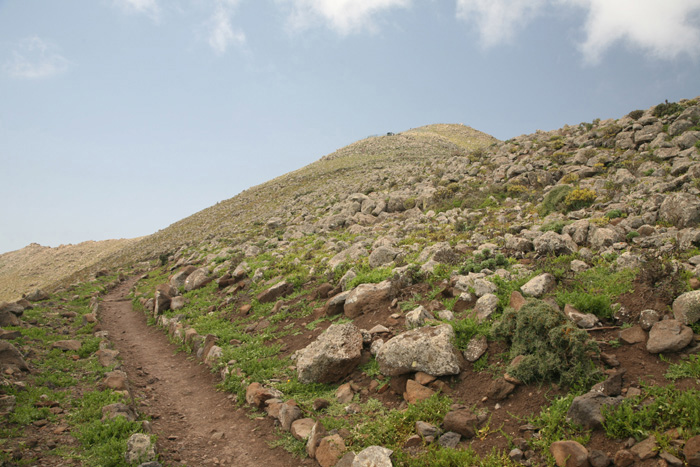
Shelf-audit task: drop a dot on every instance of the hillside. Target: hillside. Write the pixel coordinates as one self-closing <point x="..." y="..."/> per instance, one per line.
<point x="439" y="297"/>
<point x="35" y="266"/>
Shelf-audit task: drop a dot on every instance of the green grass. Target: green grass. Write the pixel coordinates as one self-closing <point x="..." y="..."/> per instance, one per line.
<point x="554" y="426"/>
<point x="689" y="368"/>
<point x="467" y="328"/>
<point x="595" y="289"/>
<point x="658" y="409"/>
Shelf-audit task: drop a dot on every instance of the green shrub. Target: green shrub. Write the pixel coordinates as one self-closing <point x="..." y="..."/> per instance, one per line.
<point x="614" y="214"/>
<point x="579" y="198"/>
<point x="631" y="235"/>
<point x="556" y="226"/>
<point x="483" y="260"/>
<point x="554" y="200"/>
<point x="667" y="108"/>
<point x="554" y="349"/>
<point x="635" y="114"/>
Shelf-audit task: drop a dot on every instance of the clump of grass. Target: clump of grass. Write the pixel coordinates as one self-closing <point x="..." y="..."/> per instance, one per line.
<point x="658" y="409"/>
<point x="554" y="199"/>
<point x="466" y="329"/>
<point x="552" y="347"/>
<point x="689" y="368"/>
<point x="595" y="289"/>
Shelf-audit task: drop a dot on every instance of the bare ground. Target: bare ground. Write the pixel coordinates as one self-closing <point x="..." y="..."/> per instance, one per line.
<point x="196" y="425"/>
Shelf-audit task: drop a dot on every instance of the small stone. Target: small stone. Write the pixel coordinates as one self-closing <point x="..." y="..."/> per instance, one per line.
<point x="461" y="421"/>
<point x="691" y="451"/>
<point x="500" y="389"/>
<point x="633" y="335"/>
<point x="569" y="454"/>
<point x="645" y="449"/>
<point x="450" y="440"/>
<point x="301" y="428"/>
<point x="598" y="459"/>
<point x="330" y="450"/>
<point x="416" y="392"/>
<point x="624" y="458"/>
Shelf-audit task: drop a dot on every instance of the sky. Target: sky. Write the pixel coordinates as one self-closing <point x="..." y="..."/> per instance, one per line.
<point x="121" y="117"/>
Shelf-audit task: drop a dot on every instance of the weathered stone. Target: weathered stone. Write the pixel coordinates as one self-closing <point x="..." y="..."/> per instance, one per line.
<point x="107" y="357"/>
<point x="329" y="450"/>
<point x="277" y="291"/>
<point x="349" y="255"/>
<point x="500" y="389"/>
<point x="461" y="421"/>
<point x="199" y="278"/>
<point x="624" y="458"/>
<point x="476" y="347"/>
<point x="318" y="432"/>
<point x="416" y="318"/>
<point x="139" y="448"/>
<point x="116" y="380"/>
<point x="10" y="356"/>
<point x="72" y="345"/>
<point x="382" y="255"/>
<point x="289" y="412"/>
<point x="256" y="394"/>
<point x="336" y="305"/>
<point x="367" y="298"/>
<point x="37" y="296"/>
<point x="344" y="393"/>
<point x="604" y="237"/>
<point x="118" y="410"/>
<point x="680" y="209"/>
<point x="7" y="318"/>
<point x="582" y="320"/>
<point x="177" y="303"/>
<point x="301" y="428"/>
<point x="516" y="300"/>
<point x="686" y="308"/>
<point x="416" y="392"/>
<point x="669" y="336"/>
<point x="373" y="456"/>
<point x="554" y="243"/>
<point x="645" y="449"/>
<point x="586" y="409"/>
<point x="691" y="451"/>
<point x="450" y="440"/>
<point x="647" y="318"/>
<point x="569" y="454"/>
<point x="486" y="306"/>
<point x="332" y="356"/>
<point x="633" y="335"/>
<point x="427" y="431"/>
<point x="598" y="459"/>
<point x="177" y="280"/>
<point x="427" y="349"/>
<point x="539" y="285"/>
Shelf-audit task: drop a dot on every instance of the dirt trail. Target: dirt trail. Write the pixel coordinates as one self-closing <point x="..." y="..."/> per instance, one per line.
<point x="195" y="424"/>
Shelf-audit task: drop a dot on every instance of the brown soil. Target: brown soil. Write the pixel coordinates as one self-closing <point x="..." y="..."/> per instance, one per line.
<point x="195" y="424"/>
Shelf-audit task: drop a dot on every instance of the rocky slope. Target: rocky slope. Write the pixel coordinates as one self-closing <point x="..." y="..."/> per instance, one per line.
<point x="438" y="297"/>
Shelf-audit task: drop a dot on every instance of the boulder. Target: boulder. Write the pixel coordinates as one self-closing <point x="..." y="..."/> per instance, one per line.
<point x="72" y="345"/>
<point x="11" y="357"/>
<point x="198" y="279"/>
<point x="585" y="410"/>
<point x="37" y="296"/>
<point x="604" y="237"/>
<point x="367" y="297"/>
<point x="680" y="209"/>
<point x="554" y="243"/>
<point x="301" y="428"/>
<point x="350" y="255"/>
<point x="486" y="306"/>
<point x="256" y="394"/>
<point x="115" y="380"/>
<point x="669" y="336"/>
<point x="461" y="421"/>
<point x="177" y="280"/>
<point x="426" y="349"/>
<point x="332" y="356"/>
<point x="7" y="318"/>
<point x="539" y="285"/>
<point x="382" y="255"/>
<point x="277" y="291"/>
<point x="686" y="308"/>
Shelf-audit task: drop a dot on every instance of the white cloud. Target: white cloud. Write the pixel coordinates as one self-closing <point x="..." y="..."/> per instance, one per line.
<point x="146" y="7"/>
<point x="498" y="20"/>
<point x="221" y="32"/>
<point x="663" y="29"/>
<point x="35" y="58"/>
<point x="343" y="16"/>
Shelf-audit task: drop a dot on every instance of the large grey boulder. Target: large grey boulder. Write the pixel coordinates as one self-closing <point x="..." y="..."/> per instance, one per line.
<point x="578" y="231"/>
<point x="539" y="285"/>
<point x="669" y="336"/>
<point x="382" y="255"/>
<point x="427" y="349"/>
<point x="332" y="356"/>
<point x="199" y="278"/>
<point x="680" y="209"/>
<point x="367" y="297"/>
<point x="554" y="243"/>
<point x="604" y="237"/>
<point x="485" y="306"/>
<point x="686" y="308"/>
<point x="350" y="255"/>
<point x="178" y="279"/>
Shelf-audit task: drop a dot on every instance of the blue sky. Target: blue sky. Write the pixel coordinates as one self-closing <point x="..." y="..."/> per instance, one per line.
<point x="120" y="117"/>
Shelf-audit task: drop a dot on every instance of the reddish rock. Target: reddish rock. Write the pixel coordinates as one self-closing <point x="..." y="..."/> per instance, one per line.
<point x="633" y="335"/>
<point x="691" y="451"/>
<point x="569" y="454"/>
<point x="416" y="392"/>
<point x="624" y="458"/>
<point x="330" y="450"/>
<point x="461" y="421"/>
